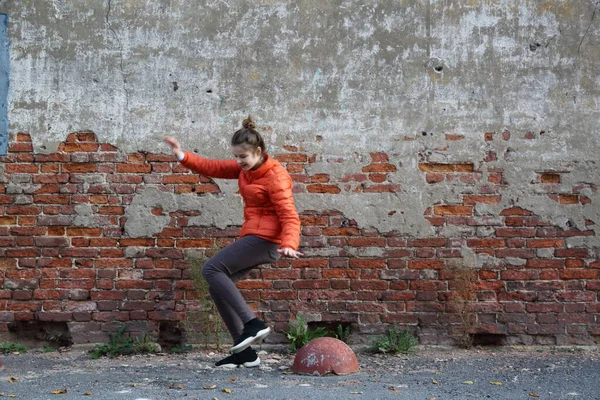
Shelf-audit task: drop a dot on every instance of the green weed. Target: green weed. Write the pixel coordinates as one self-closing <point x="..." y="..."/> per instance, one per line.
<point x="299" y="334"/>
<point x="120" y="344"/>
<point x="395" y="341"/>
<point x="7" y="348"/>
<point x="341" y="333"/>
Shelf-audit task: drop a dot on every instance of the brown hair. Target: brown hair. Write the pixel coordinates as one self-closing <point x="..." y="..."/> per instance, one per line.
<point x="249" y="136"/>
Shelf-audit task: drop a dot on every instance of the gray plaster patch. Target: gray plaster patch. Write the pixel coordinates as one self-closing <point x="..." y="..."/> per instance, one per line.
<point x="216" y="210"/>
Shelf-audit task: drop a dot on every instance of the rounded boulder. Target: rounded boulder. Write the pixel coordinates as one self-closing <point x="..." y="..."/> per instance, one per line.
<point x="324" y="356"/>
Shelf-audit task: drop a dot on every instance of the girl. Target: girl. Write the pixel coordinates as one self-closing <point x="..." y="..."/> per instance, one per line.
<point x="271" y="228"/>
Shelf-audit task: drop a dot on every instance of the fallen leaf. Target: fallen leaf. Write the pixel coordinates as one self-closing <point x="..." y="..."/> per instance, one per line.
<point x="133" y="384"/>
<point x="355" y="392"/>
<point x="232" y="379"/>
<point x="434" y="382"/>
<point x="87" y="394"/>
<point x="59" y="391"/>
<point x="437" y="372"/>
<point x="225" y="390"/>
<point x="496" y="383"/>
<point x="172" y="386"/>
<point x="209" y="387"/>
<point x="533" y="394"/>
<point x="432" y="398"/>
<point x="468" y="382"/>
<point x="12" y="379"/>
<point x="12" y="395"/>
<point x="393" y="389"/>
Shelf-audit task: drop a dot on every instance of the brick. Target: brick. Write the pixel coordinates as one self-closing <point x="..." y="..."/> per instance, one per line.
<point x="550" y="178"/>
<point x="378" y="178"/>
<point x="23" y="210"/>
<point x="436" y="167"/>
<point x="281" y="274"/>
<point x="133" y="284"/>
<point x="516" y="232"/>
<point x="180" y="179"/>
<point x="166" y="315"/>
<point x="367" y="242"/>
<point x="545" y="243"/>
<point x="379" y="168"/>
<point x="546" y="263"/>
<point x="515" y="211"/>
<point x="20" y="147"/>
<point x="309" y="263"/>
<point x="135" y="168"/>
<point x="21" y="168"/>
<point x="579" y="274"/>
<point x="291" y="158"/>
<point x="430" y="242"/>
<point x="369" y="285"/>
<point x="354" y="178"/>
<point x="568" y="198"/>
<point x="425" y="264"/>
<point x="81" y="168"/>
<point x="379" y="157"/>
<point x="434" y="177"/>
<point x="365" y="263"/>
<point x="454" y="137"/>
<point x="573" y="252"/>
<point x="486" y="243"/>
<point x="80" y="147"/>
<point x="382" y="188"/>
<point x="453" y="210"/>
<point x="321" y="188"/>
<point x="341" y="231"/>
<point x="195" y="243"/>
<point x="472" y="199"/>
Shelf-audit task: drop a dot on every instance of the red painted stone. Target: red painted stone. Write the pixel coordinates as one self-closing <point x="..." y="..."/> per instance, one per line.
<point x="323" y="356"/>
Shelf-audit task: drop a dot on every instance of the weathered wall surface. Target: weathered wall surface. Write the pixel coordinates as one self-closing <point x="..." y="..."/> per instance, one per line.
<point x="423" y="136"/>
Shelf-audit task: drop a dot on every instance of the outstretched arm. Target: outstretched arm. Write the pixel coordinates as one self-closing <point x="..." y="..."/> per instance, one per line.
<point x="224" y="169"/>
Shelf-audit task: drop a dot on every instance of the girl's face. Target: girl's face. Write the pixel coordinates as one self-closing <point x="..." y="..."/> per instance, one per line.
<point x="245" y="157"/>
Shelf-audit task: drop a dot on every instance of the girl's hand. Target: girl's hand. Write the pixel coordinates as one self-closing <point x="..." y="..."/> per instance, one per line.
<point x="286" y="251"/>
<point x="175" y="146"/>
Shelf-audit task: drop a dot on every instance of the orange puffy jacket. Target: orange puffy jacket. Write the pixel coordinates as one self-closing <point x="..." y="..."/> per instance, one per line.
<point x="269" y="210"/>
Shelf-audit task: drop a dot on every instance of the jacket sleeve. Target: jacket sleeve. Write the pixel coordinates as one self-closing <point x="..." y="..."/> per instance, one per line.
<point x="280" y="194"/>
<point x="223" y="169"/>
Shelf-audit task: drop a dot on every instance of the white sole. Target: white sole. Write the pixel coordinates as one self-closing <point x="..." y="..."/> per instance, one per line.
<point x="249" y="364"/>
<point x="260" y="335"/>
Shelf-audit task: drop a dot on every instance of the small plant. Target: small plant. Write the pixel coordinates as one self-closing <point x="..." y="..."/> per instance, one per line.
<point x="341" y="333"/>
<point x="48" y="349"/>
<point x="203" y="326"/>
<point x="184" y="348"/>
<point x="299" y="334"/>
<point x="118" y="344"/>
<point x="144" y="345"/>
<point x="396" y="341"/>
<point x="7" y="348"/>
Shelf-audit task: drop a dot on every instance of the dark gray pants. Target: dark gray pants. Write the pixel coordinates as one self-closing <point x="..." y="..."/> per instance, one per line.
<point x="226" y="268"/>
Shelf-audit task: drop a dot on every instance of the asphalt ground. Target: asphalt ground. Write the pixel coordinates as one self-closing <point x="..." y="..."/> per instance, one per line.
<point x="430" y="373"/>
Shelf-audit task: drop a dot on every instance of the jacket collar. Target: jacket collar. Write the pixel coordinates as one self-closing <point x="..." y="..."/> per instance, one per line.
<point x="258" y="173"/>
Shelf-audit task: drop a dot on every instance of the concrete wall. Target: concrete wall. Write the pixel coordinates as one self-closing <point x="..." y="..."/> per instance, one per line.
<point x="409" y="119"/>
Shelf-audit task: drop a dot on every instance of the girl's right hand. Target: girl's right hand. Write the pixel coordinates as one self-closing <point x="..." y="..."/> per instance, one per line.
<point x="175" y="146"/>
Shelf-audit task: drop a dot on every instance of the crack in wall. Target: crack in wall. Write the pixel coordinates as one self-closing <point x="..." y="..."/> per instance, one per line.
<point x="596" y="7"/>
<point x="121" y="62"/>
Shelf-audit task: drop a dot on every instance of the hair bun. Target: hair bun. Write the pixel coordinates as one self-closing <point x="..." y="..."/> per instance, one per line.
<point x="248" y="123"/>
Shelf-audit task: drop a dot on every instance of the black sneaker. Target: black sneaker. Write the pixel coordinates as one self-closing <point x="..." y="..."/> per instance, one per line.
<point x="246" y="358"/>
<point x="254" y="331"/>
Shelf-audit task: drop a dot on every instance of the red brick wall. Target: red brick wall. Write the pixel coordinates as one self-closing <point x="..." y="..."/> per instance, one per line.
<point x="51" y="270"/>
